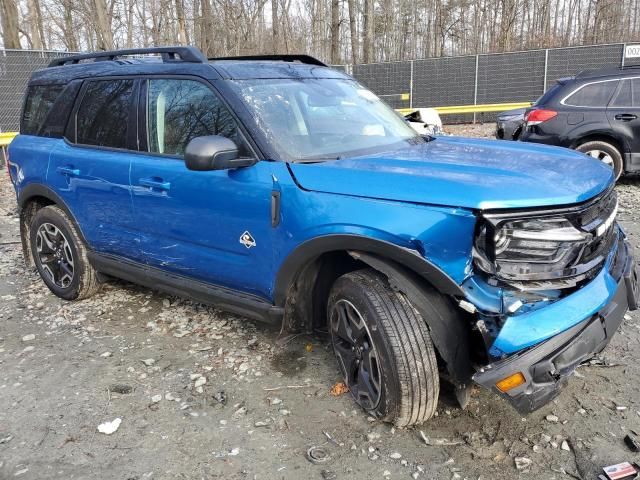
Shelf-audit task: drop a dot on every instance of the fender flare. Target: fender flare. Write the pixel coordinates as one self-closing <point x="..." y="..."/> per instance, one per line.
<point x="39" y="190"/>
<point x="33" y="190"/>
<point x="312" y="249"/>
<point x="581" y="133"/>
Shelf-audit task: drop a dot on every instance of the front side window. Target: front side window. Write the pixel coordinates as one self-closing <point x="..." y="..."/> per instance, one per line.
<point x="103" y="115"/>
<point x="180" y="110"/>
<point x="593" y="95"/>
<point x="40" y="99"/>
<point x="322" y="119"/>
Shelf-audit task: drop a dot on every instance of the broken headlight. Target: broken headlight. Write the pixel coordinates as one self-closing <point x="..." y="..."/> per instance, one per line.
<point x="530" y="248"/>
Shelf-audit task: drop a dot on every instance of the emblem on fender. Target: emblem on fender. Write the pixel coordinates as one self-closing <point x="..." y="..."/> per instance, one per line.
<point x="247" y="240"/>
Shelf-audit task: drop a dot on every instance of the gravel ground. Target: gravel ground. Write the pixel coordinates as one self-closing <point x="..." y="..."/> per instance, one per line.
<point x="205" y="394"/>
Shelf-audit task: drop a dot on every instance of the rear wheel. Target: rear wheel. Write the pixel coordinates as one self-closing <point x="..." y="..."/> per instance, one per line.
<point x="60" y="255"/>
<point x="606" y="153"/>
<point x="383" y="349"/>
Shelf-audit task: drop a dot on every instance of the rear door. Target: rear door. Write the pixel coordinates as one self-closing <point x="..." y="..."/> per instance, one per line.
<point x="90" y="170"/>
<point x="624" y="117"/>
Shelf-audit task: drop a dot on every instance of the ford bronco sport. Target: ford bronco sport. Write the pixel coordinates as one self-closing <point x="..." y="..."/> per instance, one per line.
<point x="285" y="191"/>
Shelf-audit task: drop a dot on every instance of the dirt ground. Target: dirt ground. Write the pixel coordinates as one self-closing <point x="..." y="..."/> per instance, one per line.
<point x="203" y="394"/>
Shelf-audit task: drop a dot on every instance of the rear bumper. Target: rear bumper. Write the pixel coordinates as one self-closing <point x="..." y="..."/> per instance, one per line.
<point x="545" y="138"/>
<point x="547" y="366"/>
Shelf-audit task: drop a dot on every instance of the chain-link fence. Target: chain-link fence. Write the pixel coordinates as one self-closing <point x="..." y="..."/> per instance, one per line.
<point x="430" y="82"/>
<point x="16" y="67"/>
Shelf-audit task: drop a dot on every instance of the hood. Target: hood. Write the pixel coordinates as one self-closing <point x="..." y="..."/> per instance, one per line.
<point x="463" y="172"/>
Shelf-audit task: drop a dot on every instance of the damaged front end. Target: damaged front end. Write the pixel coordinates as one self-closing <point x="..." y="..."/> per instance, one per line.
<point x="551" y="289"/>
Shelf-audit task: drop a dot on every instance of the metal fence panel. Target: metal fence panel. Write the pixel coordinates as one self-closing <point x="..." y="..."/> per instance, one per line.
<point x="389" y="80"/>
<point x="516" y="76"/>
<point x="564" y="62"/>
<point x="443" y="81"/>
<point x="16" y="66"/>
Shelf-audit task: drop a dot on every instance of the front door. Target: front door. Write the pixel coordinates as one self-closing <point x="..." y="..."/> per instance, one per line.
<point x="213" y="226"/>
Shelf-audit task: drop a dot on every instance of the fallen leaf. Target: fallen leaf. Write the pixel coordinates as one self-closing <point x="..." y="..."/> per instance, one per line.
<point x="338" y="389"/>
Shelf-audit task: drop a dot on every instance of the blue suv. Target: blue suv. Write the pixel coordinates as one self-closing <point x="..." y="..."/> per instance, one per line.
<point x="283" y="190"/>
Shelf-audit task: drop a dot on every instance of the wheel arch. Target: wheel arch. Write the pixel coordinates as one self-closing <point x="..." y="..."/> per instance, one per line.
<point x="601" y="137"/>
<point x="304" y="281"/>
<point x="32" y="198"/>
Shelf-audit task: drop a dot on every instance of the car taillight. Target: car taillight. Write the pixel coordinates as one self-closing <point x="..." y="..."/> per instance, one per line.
<point x="534" y="117"/>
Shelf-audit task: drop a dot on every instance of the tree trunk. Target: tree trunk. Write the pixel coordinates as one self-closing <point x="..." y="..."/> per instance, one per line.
<point x="103" y="25"/>
<point x="275" y="26"/>
<point x="35" y="25"/>
<point x="353" y="31"/>
<point x="335" y="32"/>
<point x="70" y="39"/>
<point x="9" y="14"/>
<point x="367" y="44"/>
<point x="183" y="36"/>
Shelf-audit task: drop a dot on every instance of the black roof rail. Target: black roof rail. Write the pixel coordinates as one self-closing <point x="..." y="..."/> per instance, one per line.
<point x="308" y="59"/>
<point x="168" y="54"/>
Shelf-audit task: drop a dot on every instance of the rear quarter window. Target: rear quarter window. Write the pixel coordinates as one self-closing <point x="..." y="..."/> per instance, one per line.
<point x="592" y="95"/>
<point x="37" y="105"/>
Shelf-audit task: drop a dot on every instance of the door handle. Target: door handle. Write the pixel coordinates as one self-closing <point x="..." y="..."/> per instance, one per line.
<point x="68" y="171"/>
<point x="625" y="117"/>
<point x="155" y="183"/>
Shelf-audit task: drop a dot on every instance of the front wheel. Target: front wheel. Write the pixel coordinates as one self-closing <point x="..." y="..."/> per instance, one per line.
<point x="606" y="153"/>
<point x="383" y="348"/>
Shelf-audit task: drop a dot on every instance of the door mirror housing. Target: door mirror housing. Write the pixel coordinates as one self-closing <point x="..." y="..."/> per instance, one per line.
<point x="214" y="152"/>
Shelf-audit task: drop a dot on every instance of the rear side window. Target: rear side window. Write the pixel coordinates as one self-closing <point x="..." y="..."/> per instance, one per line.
<point x="593" y="95"/>
<point x="40" y="99"/>
<point x="628" y="95"/>
<point x="103" y="115"/>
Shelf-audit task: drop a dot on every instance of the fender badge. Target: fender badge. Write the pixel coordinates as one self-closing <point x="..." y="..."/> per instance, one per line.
<point x="247" y="240"/>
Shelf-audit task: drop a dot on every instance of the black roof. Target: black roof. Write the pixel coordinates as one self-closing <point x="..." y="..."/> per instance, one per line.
<point x="609" y="72"/>
<point x="181" y="60"/>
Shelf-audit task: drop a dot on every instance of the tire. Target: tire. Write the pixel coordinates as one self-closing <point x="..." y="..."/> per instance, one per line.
<point x="60" y="255"/>
<point x="378" y="335"/>
<point x="604" y="152"/>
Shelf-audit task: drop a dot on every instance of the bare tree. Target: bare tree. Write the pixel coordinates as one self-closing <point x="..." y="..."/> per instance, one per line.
<point x="367" y="41"/>
<point x="10" y="35"/>
<point x="335" y="32"/>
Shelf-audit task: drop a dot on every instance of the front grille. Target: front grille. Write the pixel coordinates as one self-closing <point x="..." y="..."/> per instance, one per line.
<point x="597" y="211"/>
<point x="597" y="219"/>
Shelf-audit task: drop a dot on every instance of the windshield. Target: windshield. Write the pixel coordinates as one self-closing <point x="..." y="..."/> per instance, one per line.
<point x="322" y="119"/>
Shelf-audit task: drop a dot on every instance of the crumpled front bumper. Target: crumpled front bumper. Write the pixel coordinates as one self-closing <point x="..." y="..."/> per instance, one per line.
<point x="547" y="366"/>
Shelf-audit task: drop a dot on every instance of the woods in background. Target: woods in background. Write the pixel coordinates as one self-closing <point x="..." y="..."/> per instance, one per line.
<point x="337" y="31"/>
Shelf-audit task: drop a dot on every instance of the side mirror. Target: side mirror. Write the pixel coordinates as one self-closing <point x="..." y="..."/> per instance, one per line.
<point x="214" y="152"/>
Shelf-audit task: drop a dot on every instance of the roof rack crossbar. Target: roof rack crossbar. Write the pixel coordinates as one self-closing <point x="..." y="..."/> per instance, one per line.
<point x="308" y="59"/>
<point x="169" y="54"/>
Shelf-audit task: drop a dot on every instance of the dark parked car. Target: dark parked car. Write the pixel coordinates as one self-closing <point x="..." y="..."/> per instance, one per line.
<point x="283" y="190"/>
<point x="595" y="112"/>
<point x="509" y="124"/>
